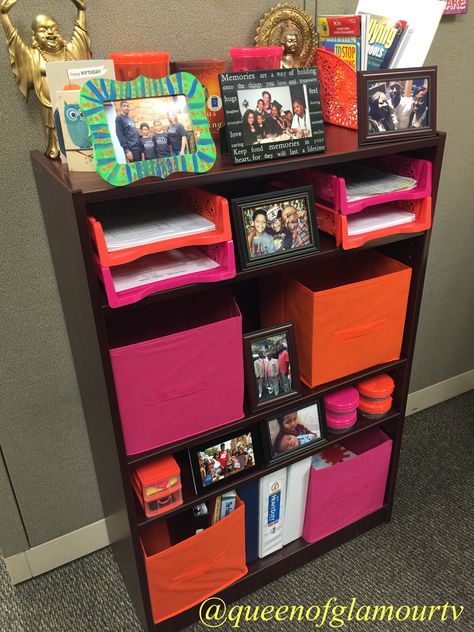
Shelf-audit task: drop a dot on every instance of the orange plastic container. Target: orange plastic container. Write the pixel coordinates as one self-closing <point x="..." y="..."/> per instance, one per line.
<point x="348" y="315"/>
<point x="132" y="64"/>
<point x="338" y="88"/>
<point x="185" y="574"/>
<point x="158" y="485"/>
<point x="213" y="207"/>
<point x="333" y="223"/>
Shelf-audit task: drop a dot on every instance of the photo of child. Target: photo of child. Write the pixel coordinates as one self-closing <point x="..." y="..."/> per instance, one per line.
<point x="295" y="429"/>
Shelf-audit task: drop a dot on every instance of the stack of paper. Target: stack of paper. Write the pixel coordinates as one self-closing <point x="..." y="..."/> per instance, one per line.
<point x="145" y="226"/>
<point x="362" y="182"/>
<point x="377" y="217"/>
<point x="159" y="267"/>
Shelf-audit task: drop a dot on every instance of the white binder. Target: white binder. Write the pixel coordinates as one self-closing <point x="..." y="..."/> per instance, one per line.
<point x="296" y="492"/>
<point x="272" y="512"/>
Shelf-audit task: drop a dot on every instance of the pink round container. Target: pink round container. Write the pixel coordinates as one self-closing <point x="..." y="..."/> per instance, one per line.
<point x="341" y="409"/>
<point x="256" y="57"/>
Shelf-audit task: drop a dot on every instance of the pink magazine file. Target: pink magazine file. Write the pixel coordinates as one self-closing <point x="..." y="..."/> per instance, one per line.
<point x="343" y="493"/>
<point x="331" y="190"/>
<point x="222" y="253"/>
<point x="186" y="377"/>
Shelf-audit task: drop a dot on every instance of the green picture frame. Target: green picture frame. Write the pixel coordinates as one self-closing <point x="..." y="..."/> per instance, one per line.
<point x="97" y="92"/>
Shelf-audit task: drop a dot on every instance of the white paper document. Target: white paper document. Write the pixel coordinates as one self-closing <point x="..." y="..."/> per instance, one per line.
<point x="377" y="217"/>
<point x="159" y="267"/>
<point x="145" y="226"/>
<point x="423" y="17"/>
<point x="362" y="182"/>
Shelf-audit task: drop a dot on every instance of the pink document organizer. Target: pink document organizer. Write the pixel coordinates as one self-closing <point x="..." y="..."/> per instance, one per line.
<point x="182" y="372"/>
<point x="331" y="190"/>
<point x="222" y="253"/>
<point x="343" y="493"/>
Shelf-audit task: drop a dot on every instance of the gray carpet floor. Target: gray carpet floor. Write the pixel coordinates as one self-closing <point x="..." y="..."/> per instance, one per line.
<point x="424" y="556"/>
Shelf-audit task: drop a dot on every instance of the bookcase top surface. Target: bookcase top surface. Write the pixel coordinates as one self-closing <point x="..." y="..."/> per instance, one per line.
<point x="341" y="146"/>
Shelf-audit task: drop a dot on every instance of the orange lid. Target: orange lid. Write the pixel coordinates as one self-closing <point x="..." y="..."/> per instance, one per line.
<point x="376" y="387"/>
<point x="374" y="408"/>
<point x="157" y="470"/>
<point x="129" y="57"/>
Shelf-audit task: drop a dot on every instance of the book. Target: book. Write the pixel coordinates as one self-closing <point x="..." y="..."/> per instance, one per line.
<point x="384" y="37"/>
<point x="272" y="512"/>
<point x="249" y="494"/>
<point x="228" y="501"/>
<point x="351" y="29"/>
<point x="423" y="17"/>
<point x="347" y="51"/>
<point x="215" y="509"/>
<point x="296" y="492"/>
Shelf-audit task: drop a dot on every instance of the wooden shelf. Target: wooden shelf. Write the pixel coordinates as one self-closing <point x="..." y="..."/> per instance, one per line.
<point x="66" y="199"/>
<point x="307" y="396"/>
<point x="190" y="498"/>
<point x="341" y="146"/>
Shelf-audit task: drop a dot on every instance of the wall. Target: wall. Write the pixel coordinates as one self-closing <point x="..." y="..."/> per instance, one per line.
<point x="42" y="428"/>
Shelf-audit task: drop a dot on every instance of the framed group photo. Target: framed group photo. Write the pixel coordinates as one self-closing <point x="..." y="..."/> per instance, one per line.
<point x="398" y="104"/>
<point x="272" y="114"/>
<point x="271" y="366"/>
<point x="275" y="226"/>
<point x="216" y="462"/>
<point x="297" y="430"/>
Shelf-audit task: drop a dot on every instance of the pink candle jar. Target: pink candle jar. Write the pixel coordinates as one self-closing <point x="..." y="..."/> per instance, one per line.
<point x="341" y="409"/>
<point x="256" y="57"/>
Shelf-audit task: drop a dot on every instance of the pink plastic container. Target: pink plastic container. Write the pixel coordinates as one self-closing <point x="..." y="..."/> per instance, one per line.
<point x="341" y="409"/>
<point x="178" y="372"/>
<point x="343" y="493"/>
<point x="131" y="64"/>
<point x="222" y="254"/>
<point x="256" y="57"/>
<point x="331" y="190"/>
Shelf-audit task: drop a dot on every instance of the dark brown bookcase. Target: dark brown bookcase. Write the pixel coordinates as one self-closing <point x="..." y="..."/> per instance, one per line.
<point x="66" y="199"/>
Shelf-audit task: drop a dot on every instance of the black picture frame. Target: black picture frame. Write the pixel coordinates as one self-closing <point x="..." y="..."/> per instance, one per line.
<point x="276" y="448"/>
<point x="261" y="394"/>
<point x="271" y="206"/>
<point x="251" y="435"/>
<point x="416" y="85"/>
<point x="240" y="94"/>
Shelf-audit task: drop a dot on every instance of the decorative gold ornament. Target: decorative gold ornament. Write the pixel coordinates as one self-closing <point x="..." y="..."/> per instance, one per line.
<point x="47" y="44"/>
<point x="291" y="27"/>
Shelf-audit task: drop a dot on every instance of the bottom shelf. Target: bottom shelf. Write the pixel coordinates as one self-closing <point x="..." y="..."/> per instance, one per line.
<point x="280" y="563"/>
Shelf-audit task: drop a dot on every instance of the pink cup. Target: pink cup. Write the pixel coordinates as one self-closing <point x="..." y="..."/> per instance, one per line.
<point x="256" y="57"/>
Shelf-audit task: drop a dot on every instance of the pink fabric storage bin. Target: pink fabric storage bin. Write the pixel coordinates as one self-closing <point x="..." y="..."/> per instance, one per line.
<point x="183" y="374"/>
<point x="331" y="190"/>
<point x="343" y="493"/>
<point x="222" y="253"/>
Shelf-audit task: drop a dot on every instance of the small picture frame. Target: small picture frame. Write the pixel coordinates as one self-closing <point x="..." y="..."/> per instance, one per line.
<point x="396" y="104"/>
<point x="219" y="461"/>
<point x="275" y="226"/>
<point x="296" y="430"/>
<point x="271" y="366"/>
<point x="147" y="127"/>
<point x="272" y="113"/>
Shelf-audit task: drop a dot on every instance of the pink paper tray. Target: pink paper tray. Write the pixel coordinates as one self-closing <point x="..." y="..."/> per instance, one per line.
<point x="331" y="190"/>
<point x="222" y="253"/>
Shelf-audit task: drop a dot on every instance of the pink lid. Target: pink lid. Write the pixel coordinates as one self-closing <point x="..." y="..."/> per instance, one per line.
<point x="256" y="51"/>
<point x="342" y="400"/>
<point x="339" y="421"/>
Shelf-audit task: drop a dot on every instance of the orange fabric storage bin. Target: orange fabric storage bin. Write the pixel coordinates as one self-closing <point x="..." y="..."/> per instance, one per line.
<point x="185" y="574"/>
<point x="349" y="313"/>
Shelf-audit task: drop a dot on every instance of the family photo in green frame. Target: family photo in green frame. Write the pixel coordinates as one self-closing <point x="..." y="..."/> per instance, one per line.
<point x="147" y="127"/>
